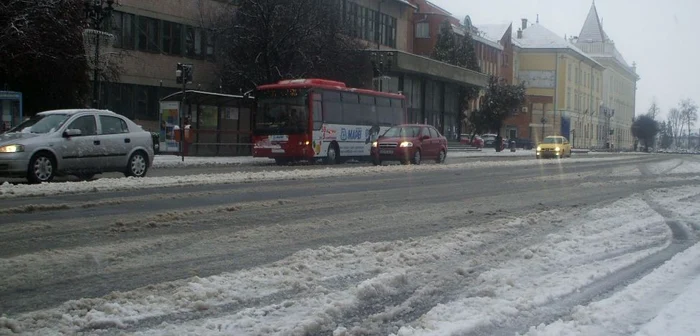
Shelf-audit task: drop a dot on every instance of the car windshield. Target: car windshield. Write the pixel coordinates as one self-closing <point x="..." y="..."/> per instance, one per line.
<point x="403" y="132"/>
<point x="553" y="140"/>
<point x="489" y="137"/>
<point x="41" y="124"/>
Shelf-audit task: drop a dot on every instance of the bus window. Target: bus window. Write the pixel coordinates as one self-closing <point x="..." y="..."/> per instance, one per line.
<point x="332" y="108"/>
<point x="396" y="103"/>
<point x="318" y="114"/>
<point x="366" y="100"/>
<point x="351" y="109"/>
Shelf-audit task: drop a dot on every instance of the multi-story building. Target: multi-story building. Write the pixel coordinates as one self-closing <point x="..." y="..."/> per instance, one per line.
<point x="151" y="37"/>
<point x="564" y="87"/>
<point x="430" y="86"/>
<point x="615" y="114"/>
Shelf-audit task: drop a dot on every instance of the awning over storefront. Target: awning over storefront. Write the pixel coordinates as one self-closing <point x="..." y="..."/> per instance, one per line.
<point x="206" y="98"/>
<point x="420" y="65"/>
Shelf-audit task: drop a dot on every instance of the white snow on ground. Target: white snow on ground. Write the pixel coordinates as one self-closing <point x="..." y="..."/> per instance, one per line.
<point x="8" y="190"/>
<point x="589" y="244"/>
<point x="688" y="167"/>
<point x="173" y="161"/>
<point x="666" y="300"/>
<point x="659" y="296"/>
<point x="663" y="166"/>
<point x="679" y="317"/>
<point x="591" y="247"/>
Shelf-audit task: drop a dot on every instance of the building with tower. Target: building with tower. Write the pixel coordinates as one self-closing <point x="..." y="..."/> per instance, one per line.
<point x="614" y="115"/>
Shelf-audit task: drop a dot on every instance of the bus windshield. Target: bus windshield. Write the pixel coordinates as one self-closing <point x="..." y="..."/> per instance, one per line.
<point x="281" y="115"/>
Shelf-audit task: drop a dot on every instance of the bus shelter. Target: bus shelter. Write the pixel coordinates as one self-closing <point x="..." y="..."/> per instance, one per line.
<point x="11" y="109"/>
<point x="220" y="124"/>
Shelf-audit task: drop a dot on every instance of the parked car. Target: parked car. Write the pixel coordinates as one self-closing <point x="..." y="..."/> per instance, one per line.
<point x="410" y="144"/>
<point x="80" y="142"/>
<point x="477" y="142"/>
<point x="553" y="146"/>
<point x="524" y="143"/>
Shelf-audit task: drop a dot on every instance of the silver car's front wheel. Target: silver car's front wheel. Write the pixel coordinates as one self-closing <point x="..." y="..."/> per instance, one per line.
<point x="137" y="166"/>
<point x="42" y="168"/>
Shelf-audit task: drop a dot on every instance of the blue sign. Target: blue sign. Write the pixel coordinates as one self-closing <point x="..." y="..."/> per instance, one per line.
<point x="565" y="129"/>
<point x="343" y="134"/>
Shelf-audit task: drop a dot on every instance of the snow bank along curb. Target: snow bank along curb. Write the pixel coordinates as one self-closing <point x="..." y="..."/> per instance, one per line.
<point x="8" y="190"/>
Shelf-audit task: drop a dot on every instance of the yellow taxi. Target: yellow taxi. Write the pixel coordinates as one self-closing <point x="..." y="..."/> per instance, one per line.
<point x="554" y="146"/>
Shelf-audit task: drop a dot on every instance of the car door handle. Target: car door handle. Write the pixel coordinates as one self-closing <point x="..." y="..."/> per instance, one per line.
<point x="127" y="140"/>
<point x="96" y="142"/>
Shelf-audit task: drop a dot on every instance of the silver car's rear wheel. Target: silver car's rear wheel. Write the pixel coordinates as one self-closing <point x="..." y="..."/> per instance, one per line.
<point x="137" y="166"/>
<point x="42" y="168"/>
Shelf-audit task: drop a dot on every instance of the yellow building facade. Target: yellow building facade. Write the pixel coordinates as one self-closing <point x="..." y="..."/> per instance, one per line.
<point x="563" y="86"/>
<point x="619" y="85"/>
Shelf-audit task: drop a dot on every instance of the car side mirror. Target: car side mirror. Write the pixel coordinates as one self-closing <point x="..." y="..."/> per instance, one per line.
<point x="71" y="133"/>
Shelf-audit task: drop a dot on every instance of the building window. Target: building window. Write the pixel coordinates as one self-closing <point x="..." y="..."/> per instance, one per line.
<point x="193" y="42"/>
<point x="172" y="38"/>
<point x="210" y="44"/>
<point x="423" y="30"/>
<point x="568" y="72"/>
<point x="123" y="30"/>
<point x="148" y="34"/>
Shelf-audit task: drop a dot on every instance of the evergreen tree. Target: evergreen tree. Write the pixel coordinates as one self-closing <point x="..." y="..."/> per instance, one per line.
<point x="645" y="128"/>
<point x="446" y="47"/>
<point x="666" y="135"/>
<point x="500" y="100"/>
<point x="458" y="50"/>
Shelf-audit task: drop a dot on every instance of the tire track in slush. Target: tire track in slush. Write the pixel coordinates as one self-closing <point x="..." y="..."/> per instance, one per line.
<point x="681" y="239"/>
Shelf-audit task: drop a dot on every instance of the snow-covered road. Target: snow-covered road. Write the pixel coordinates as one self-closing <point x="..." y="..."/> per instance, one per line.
<point x="602" y="247"/>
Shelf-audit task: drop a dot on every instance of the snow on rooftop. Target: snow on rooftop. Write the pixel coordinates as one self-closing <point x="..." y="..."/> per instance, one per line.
<point x="537" y="36"/>
<point x="493" y="32"/>
<point x="460" y="30"/>
<point x="8" y="190"/>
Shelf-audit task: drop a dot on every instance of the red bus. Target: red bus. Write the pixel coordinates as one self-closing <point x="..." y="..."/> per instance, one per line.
<point x="317" y="119"/>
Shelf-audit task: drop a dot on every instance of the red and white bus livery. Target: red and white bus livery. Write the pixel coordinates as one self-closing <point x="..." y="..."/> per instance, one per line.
<point x="312" y="119"/>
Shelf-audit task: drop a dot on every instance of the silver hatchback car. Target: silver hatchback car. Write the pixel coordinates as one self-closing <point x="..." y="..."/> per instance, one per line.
<point x="80" y="142"/>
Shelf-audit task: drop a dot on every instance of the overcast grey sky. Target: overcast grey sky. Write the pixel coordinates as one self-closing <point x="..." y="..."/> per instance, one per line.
<point x="661" y="36"/>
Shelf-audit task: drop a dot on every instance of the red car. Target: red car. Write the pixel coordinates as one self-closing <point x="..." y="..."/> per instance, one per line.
<point x="478" y="142"/>
<point x="410" y="144"/>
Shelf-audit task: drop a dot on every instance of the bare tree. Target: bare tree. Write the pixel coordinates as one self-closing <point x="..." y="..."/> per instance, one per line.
<point x="689" y="115"/>
<point x="264" y="41"/>
<point x="654" y="109"/>
<point x="675" y="124"/>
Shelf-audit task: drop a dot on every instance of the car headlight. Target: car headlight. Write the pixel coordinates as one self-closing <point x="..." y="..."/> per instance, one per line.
<point x="406" y="144"/>
<point x="374" y="144"/>
<point x="539" y="148"/>
<point x="557" y="149"/>
<point x="12" y="149"/>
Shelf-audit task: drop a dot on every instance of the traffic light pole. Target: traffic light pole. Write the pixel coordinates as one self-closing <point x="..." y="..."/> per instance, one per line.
<point x="183" y="75"/>
<point x="182" y="118"/>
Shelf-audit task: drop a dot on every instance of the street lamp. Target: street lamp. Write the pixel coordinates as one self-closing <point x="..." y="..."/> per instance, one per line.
<point x="96" y="11"/>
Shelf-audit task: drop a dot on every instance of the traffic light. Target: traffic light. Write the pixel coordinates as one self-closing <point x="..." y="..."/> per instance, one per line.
<point x="185" y="71"/>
